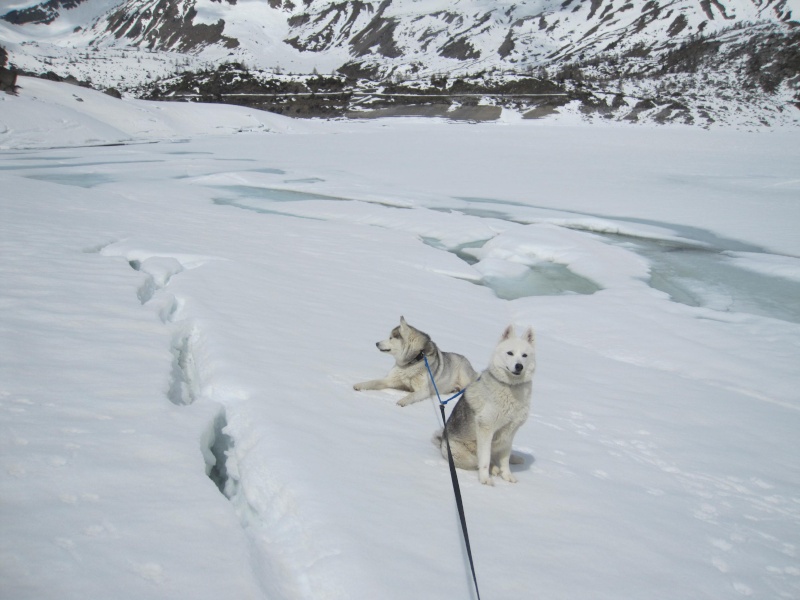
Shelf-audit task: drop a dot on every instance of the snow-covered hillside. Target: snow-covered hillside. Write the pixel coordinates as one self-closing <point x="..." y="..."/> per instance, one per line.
<point x="428" y="35"/>
<point x="698" y="62"/>
<point x="189" y="293"/>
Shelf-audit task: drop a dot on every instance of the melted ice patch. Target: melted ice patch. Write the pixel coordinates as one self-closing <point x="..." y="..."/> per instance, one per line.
<point x="711" y="278"/>
<point x="272" y="194"/>
<point x="513" y="279"/>
<point x="84" y="180"/>
<point x="510" y="282"/>
<point x="692" y="266"/>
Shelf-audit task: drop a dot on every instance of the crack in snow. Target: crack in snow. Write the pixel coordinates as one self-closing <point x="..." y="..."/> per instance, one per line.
<point x="217" y="446"/>
<point x="187" y="385"/>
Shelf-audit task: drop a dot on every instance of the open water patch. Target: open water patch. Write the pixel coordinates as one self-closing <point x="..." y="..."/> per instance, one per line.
<point x="83" y="180"/>
<point x="259" y="210"/>
<point x="701" y="275"/>
<point x="461" y="251"/>
<point x="544" y="278"/>
<point x="306" y="180"/>
<point x="695" y="271"/>
<point x="74" y="165"/>
<point x="12" y="159"/>
<point x="486" y="213"/>
<point x="506" y="210"/>
<point x="541" y="279"/>
<point x="188" y="153"/>
<point x="495" y="201"/>
<point x="257" y="198"/>
<point x="274" y="194"/>
<point x="481" y="213"/>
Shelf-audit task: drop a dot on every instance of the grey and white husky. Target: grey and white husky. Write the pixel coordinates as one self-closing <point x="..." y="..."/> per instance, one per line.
<point x="482" y="426"/>
<point x="409" y="346"/>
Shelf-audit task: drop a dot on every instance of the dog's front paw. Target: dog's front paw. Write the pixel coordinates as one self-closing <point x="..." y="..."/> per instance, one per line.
<point x="508" y="477"/>
<point x="409" y="399"/>
<point x="484" y="477"/>
<point x="357" y="387"/>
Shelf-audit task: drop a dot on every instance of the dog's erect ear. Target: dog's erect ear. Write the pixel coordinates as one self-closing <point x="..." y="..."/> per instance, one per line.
<point x="508" y="333"/>
<point x="530" y="336"/>
<point x="406" y="330"/>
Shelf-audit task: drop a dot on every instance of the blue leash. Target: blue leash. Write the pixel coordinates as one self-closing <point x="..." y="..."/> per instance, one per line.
<point x="436" y="389"/>
<point x="453" y="397"/>
<point x="453" y="476"/>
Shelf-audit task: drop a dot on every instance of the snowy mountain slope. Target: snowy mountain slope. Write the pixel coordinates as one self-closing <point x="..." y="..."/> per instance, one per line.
<point x="474" y="33"/>
<point x="679" y="55"/>
<point x="57" y="14"/>
<point x="525" y="34"/>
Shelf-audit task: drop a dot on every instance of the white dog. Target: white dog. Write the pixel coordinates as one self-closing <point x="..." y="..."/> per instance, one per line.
<point x="482" y="426"/>
<point x="409" y="346"/>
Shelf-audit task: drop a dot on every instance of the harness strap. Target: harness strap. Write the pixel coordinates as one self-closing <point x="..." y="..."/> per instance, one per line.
<point x="454" y="479"/>
<point x="453" y="397"/>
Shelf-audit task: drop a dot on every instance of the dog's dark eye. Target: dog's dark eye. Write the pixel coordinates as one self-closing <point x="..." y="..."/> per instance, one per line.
<point x="510" y="353"/>
<point x="524" y="356"/>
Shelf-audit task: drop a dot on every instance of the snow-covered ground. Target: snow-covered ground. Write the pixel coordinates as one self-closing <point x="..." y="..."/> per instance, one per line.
<point x="184" y="313"/>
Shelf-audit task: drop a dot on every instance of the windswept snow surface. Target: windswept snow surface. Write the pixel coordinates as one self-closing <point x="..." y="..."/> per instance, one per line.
<point x="183" y="319"/>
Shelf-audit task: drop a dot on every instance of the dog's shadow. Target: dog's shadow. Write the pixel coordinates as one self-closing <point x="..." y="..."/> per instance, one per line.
<point x="527" y="459"/>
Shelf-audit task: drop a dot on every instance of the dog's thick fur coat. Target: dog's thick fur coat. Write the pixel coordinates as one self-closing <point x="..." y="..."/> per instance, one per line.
<point x="482" y="426"/>
<point x="408" y="346"/>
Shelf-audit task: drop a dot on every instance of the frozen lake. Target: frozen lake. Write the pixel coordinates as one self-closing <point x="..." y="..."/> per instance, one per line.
<point x="694" y="267"/>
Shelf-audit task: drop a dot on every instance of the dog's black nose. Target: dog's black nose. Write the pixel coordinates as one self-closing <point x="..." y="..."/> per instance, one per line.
<point x="518" y="368"/>
<point x="378" y="345"/>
